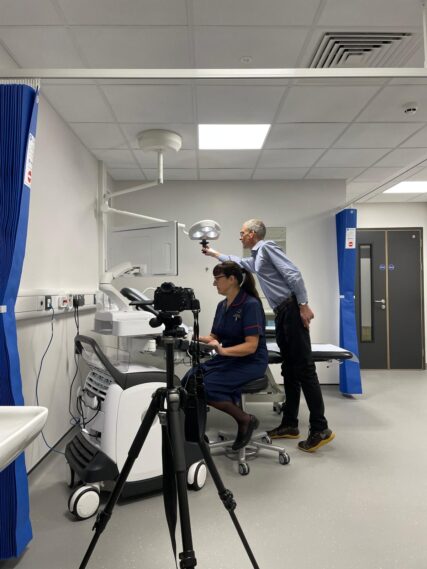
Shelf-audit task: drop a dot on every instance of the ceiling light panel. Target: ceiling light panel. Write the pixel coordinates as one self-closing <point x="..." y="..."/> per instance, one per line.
<point x="232" y="136"/>
<point x="408" y="188"/>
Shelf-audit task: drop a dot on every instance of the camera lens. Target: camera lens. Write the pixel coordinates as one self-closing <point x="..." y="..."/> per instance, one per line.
<point x="167" y="287"/>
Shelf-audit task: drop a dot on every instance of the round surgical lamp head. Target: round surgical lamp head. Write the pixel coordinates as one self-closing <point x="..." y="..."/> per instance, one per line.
<point x="204" y="230"/>
<point x="159" y="140"/>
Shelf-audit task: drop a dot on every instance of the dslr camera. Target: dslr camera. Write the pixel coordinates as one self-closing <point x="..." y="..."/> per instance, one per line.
<point x="174" y="299"/>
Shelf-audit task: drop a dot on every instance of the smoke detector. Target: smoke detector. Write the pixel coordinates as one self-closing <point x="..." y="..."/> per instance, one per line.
<point x="410" y="108"/>
<point x="159" y="140"/>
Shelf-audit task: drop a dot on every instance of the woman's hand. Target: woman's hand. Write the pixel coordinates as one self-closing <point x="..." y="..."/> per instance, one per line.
<point x="215" y="345"/>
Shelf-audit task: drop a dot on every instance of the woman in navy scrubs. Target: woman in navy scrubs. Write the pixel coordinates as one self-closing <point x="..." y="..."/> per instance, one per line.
<point x="238" y="337"/>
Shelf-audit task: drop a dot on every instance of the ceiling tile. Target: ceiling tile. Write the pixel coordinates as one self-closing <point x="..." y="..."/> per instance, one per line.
<point x="279" y="173"/>
<point x="173" y="174"/>
<point x="289" y="158"/>
<point x="303" y="135"/>
<point x="131" y="12"/>
<point x="378" y="135"/>
<point x="99" y="135"/>
<point x="253" y="12"/>
<point x="41" y="46"/>
<point x="171" y="159"/>
<point x="186" y="131"/>
<point x="82" y="103"/>
<point x="420" y="176"/>
<point x="127" y="47"/>
<point x="357" y="157"/>
<point x="116" y="158"/>
<point x="268" y="47"/>
<point x="402" y="157"/>
<point x="420" y="198"/>
<point x="418" y="140"/>
<point x="129" y="174"/>
<point x="225" y="174"/>
<point x="325" y="103"/>
<point x="236" y="159"/>
<point x="5" y="59"/>
<point x="371" y="13"/>
<point x="377" y="174"/>
<point x="150" y="103"/>
<point x="236" y="105"/>
<point x="388" y="105"/>
<point x="28" y="12"/>
<point x="334" y="173"/>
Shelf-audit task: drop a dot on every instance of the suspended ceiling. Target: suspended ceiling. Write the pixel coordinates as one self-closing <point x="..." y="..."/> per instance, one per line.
<point x="353" y="129"/>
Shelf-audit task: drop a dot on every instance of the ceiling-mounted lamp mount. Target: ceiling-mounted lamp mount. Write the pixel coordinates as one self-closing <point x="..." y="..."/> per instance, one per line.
<point x="204" y="230"/>
<point x="160" y="141"/>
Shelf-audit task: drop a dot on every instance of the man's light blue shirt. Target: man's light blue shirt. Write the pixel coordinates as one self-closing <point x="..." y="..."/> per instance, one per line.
<point x="278" y="276"/>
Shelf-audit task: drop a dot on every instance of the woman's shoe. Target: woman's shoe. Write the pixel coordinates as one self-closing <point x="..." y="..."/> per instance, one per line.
<point x="242" y="439"/>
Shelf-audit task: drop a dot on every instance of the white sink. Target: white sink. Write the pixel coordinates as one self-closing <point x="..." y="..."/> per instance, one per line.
<point x="19" y="425"/>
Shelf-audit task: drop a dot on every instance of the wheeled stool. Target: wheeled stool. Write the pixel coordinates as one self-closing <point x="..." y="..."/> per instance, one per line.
<point x="259" y="439"/>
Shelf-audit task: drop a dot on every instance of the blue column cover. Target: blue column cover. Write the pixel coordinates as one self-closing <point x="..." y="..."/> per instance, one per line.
<point x="346" y="223"/>
<point x="18" y="120"/>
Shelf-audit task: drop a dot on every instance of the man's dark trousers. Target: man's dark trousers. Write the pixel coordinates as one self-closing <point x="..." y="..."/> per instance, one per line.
<point x="298" y="368"/>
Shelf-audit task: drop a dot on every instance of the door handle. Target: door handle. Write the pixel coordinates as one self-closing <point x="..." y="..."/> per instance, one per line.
<point x="382" y="301"/>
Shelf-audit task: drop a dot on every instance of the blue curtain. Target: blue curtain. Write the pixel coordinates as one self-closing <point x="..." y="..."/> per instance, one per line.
<point x="18" y="119"/>
<point x="346" y="223"/>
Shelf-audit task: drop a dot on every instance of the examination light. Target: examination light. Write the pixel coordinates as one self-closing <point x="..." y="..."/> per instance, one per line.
<point x="204" y="230"/>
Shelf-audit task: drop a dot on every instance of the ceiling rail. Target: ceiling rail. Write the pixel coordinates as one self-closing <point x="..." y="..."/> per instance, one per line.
<point x="300" y="73"/>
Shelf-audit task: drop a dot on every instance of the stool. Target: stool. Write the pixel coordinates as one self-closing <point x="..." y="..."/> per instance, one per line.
<point x="259" y="439"/>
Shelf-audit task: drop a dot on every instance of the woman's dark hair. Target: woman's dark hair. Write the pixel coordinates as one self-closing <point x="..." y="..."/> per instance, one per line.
<point x="244" y="278"/>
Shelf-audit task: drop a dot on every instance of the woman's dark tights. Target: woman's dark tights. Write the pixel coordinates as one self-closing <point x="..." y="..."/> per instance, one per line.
<point x="235" y="411"/>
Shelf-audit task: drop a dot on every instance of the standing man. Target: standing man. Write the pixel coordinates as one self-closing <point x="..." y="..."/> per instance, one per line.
<point x="283" y="286"/>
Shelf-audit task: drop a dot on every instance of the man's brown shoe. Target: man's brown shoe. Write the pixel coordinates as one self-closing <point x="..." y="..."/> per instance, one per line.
<point x="282" y="432"/>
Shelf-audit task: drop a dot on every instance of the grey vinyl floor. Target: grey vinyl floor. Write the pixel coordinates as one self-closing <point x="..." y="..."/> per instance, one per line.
<point x="358" y="503"/>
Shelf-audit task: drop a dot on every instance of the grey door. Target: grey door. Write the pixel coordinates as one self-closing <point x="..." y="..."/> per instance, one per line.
<point x="389" y="298"/>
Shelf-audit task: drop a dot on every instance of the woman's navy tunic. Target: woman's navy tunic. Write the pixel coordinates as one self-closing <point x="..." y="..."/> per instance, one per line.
<point x="224" y="376"/>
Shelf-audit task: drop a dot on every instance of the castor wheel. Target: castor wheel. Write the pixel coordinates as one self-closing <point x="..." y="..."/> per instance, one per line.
<point x="196" y="475"/>
<point x="284" y="458"/>
<point x="244" y="468"/>
<point x="84" y="502"/>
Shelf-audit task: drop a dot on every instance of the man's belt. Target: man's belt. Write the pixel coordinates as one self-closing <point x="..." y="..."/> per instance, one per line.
<point x="283" y="304"/>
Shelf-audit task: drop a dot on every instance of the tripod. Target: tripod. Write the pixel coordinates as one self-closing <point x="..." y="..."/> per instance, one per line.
<point x="174" y="463"/>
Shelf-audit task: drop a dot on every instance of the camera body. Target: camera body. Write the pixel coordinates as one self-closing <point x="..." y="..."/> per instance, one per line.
<point x="174" y="299"/>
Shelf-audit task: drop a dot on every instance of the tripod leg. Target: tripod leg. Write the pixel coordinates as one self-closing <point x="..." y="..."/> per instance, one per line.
<point x="187" y="557"/>
<point x="226" y="497"/>
<point x="105" y="515"/>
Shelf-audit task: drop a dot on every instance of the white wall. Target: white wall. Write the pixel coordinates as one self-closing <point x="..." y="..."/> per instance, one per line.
<point x="305" y="208"/>
<point x="377" y="215"/>
<point x="61" y="253"/>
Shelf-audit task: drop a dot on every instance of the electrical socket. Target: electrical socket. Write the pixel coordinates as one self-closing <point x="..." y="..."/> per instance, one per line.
<point x="47" y="302"/>
<point x="78" y="300"/>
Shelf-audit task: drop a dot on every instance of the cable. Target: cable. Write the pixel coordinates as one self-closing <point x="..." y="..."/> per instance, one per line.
<point x="38" y="378"/>
<point x="74" y="420"/>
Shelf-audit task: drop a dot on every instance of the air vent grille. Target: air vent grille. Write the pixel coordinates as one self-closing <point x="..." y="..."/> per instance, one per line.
<point x="362" y="49"/>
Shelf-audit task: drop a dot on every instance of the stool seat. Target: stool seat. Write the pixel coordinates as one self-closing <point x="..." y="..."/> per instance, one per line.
<point x="255" y="385"/>
<point x="274" y="358"/>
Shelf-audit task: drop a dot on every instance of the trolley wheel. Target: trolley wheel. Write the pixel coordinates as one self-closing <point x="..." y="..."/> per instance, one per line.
<point x="277" y="407"/>
<point x="284" y="458"/>
<point x="244" y="468"/>
<point x="196" y="475"/>
<point x="267" y="440"/>
<point x="84" y="502"/>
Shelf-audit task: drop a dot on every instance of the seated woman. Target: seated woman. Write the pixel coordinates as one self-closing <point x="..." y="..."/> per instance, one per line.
<point x="238" y="337"/>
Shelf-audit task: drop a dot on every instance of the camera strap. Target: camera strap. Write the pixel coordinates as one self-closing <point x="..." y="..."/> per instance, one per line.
<point x="169" y="487"/>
